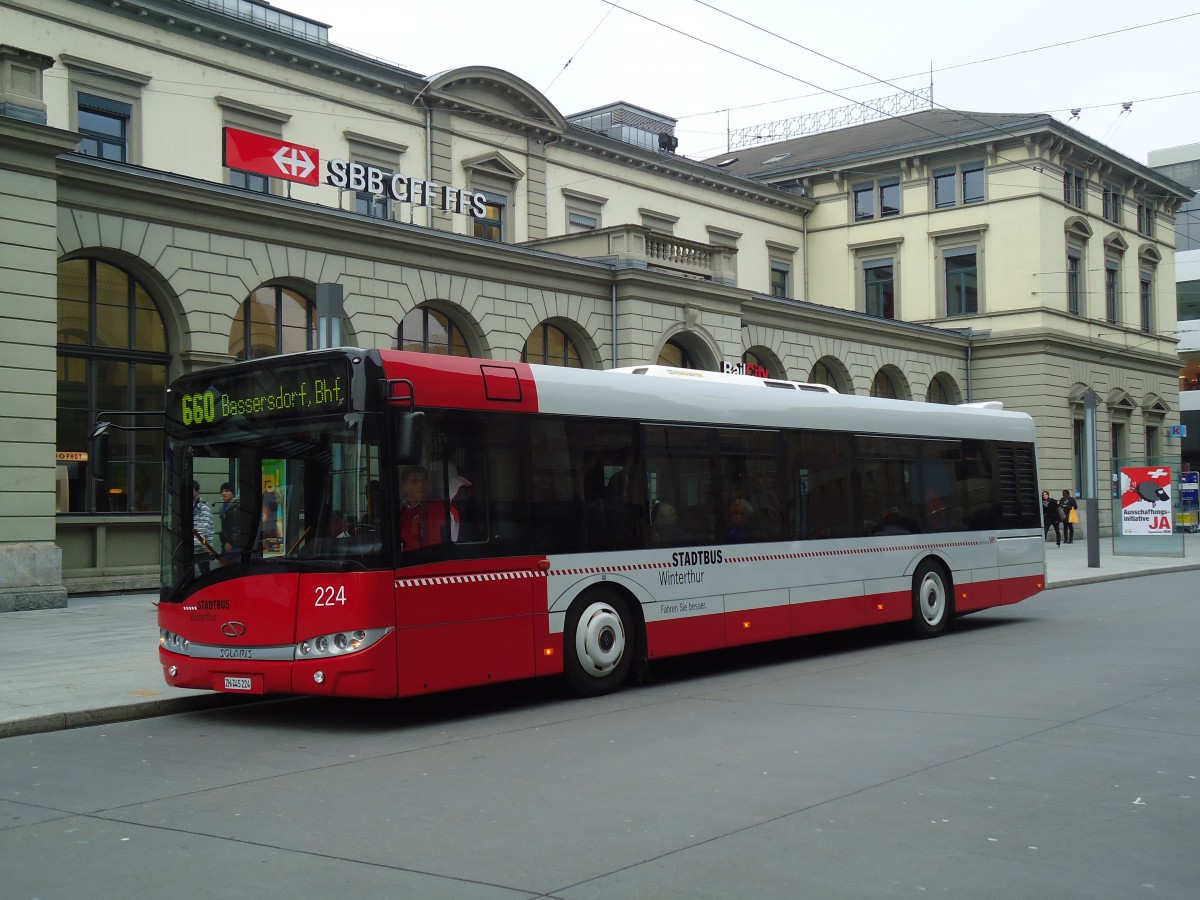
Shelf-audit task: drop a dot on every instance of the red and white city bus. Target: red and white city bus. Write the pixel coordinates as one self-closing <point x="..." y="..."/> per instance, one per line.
<point x="407" y="523"/>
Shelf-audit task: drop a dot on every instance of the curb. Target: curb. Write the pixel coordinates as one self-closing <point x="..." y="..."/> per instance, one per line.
<point x="1119" y="576"/>
<point x="124" y="712"/>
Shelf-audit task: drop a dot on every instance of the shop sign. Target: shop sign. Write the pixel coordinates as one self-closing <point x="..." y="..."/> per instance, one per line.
<point x="741" y="368"/>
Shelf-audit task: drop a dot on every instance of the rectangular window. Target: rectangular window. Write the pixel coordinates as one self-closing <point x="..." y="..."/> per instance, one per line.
<point x="377" y="206"/>
<point x="104" y="125"/>
<point x="780" y="278"/>
<point x="578" y="223"/>
<point x="1074" y="304"/>
<point x="889" y="197"/>
<point x="1151" y="443"/>
<point x="1145" y="213"/>
<point x="864" y="202"/>
<point x="684" y="486"/>
<point x="972" y="183"/>
<point x="490" y="226"/>
<point x="879" y="288"/>
<point x="586" y="485"/>
<point x="955" y="185"/>
<point x="584" y="211"/>
<point x="876" y="199"/>
<point x="943" y="187"/>
<point x="250" y="181"/>
<point x="962" y="282"/>
<point x="1113" y="200"/>
<point x="1146" y="301"/>
<point x="1074" y="187"/>
<point x="1112" y="296"/>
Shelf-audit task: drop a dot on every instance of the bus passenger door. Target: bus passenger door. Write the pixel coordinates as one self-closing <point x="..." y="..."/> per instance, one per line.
<point x="464" y="603"/>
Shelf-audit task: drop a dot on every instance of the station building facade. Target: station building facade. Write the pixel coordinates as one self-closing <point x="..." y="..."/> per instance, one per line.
<point x="141" y="238"/>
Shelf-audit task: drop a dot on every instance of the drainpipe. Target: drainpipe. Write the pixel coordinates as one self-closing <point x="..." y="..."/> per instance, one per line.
<point x="969" y="334"/>
<point x="614" y="322"/>
<point x="428" y="158"/>
<point x="804" y="255"/>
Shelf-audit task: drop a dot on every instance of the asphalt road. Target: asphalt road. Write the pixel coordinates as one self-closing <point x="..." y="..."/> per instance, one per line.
<point x="1051" y="749"/>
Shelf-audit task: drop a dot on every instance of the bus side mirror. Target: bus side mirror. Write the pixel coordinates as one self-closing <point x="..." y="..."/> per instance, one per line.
<point x="408" y="437"/>
<point x="98" y="452"/>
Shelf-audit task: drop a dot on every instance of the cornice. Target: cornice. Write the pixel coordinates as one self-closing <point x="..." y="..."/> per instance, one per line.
<point x="198" y="24"/>
<point x="682" y="169"/>
<point x="161" y="198"/>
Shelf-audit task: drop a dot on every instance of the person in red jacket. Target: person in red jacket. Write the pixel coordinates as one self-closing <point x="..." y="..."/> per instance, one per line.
<point x="423" y="519"/>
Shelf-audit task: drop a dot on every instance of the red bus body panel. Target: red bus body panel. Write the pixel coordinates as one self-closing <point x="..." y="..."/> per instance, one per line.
<point x="242" y="615"/>
<point x="459" y="382"/>
<point x="467" y="623"/>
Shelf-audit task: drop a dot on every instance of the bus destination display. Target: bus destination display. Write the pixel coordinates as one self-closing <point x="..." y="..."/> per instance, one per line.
<point x="264" y="395"/>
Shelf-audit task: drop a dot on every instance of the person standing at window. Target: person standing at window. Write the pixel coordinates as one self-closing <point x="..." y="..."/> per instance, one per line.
<point x="202" y="531"/>
<point x="231" y="537"/>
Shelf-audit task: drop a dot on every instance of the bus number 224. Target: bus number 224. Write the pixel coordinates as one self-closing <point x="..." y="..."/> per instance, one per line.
<point x="331" y="596"/>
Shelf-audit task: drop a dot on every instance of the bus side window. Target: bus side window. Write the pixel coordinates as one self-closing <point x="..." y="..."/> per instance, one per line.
<point x="827" y="493"/>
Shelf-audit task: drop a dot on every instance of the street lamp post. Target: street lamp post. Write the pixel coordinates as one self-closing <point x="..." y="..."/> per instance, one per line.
<point x="1090" y="488"/>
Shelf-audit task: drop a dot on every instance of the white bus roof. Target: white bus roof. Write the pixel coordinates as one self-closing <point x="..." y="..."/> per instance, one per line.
<point x="723" y="377"/>
<point x="689" y="395"/>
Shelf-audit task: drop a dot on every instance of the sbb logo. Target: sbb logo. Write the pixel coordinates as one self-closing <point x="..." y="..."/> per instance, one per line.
<point x="197" y="409"/>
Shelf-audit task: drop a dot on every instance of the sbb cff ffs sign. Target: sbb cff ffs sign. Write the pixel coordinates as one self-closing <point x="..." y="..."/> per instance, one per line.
<point x="270" y="156"/>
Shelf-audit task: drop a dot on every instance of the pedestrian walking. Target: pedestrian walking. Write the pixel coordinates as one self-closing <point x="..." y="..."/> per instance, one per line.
<point x="1050" y="518"/>
<point x="1069" y="507"/>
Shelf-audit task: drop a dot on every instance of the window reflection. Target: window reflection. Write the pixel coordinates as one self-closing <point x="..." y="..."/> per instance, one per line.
<point x="112" y="359"/>
<point x="551" y="346"/>
<point x="426" y="330"/>
<point x="273" y="320"/>
<point x="675" y="354"/>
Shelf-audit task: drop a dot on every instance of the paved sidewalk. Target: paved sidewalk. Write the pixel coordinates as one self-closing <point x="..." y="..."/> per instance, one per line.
<point x="97" y="660"/>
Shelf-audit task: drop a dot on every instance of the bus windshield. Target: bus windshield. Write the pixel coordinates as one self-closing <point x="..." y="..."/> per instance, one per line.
<point x="293" y="494"/>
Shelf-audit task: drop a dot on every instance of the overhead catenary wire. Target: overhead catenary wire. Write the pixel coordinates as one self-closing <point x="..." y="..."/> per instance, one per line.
<point x="962" y="65"/>
<point x="865" y="105"/>
<point x="571" y="58"/>
<point x="1036" y="167"/>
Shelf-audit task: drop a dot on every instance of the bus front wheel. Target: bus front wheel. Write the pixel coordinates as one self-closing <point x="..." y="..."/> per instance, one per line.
<point x="598" y="644"/>
<point x="933" y="600"/>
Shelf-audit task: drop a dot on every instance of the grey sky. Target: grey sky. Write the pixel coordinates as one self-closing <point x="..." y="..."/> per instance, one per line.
<point x="689" y="60"/>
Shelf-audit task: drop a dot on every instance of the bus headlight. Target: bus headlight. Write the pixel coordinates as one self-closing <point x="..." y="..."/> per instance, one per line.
<point x="339" y="643"/>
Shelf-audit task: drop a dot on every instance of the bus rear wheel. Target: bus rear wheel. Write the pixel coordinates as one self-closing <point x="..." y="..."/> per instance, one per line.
<point x="933" y="600"/>
<point x="599" y="644"/>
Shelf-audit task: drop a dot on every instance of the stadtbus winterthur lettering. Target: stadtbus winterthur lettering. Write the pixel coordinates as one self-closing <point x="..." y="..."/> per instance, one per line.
<point x="304" y="396"/>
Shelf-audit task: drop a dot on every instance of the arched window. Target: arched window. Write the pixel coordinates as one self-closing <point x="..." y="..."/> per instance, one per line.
<point x="829" y="370"/>
<point x="273" y="320"/>
<point x="551" y="346"/>
<point x="756" y="365"/>
<point x="112" y="358"/>
<point x="883" y="386"/>
<point x="675" y="354"/>
<point x="426" y="330"/>
<point x="939" y="392"/>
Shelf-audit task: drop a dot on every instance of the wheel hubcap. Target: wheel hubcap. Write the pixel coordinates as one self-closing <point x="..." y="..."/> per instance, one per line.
<point x="599" y="640"/>
<point x="933" y="599"/>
